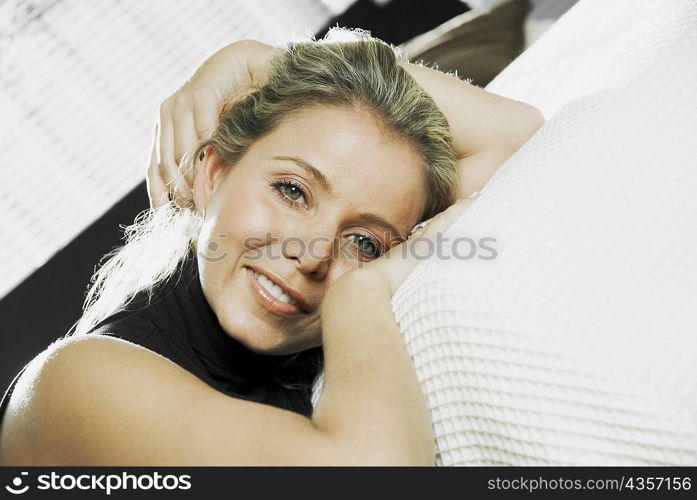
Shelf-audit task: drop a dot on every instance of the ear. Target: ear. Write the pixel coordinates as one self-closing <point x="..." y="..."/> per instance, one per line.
<point x="206" y="179"/>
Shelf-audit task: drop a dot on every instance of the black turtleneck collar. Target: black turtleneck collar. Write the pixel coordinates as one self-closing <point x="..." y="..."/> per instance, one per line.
<point x="191" y="314"/>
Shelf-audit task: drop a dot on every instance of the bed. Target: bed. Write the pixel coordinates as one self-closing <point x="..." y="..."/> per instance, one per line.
<point x="577" y="344"/>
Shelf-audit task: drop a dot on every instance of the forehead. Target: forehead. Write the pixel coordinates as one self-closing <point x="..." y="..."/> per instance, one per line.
<point x="368" y="166"/>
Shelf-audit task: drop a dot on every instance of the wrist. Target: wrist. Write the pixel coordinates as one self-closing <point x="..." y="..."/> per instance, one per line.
<point x="365" y="283"/>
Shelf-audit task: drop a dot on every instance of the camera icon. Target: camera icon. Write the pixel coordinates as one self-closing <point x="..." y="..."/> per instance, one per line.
<point x="16" y="488"/>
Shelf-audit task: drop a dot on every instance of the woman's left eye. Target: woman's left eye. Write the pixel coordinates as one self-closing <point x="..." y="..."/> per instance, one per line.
<point x="368" y="246"/>
<point x="290" y="192"/>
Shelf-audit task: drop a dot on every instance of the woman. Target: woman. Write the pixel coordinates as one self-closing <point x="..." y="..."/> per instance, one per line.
<point x="292" y="236"/>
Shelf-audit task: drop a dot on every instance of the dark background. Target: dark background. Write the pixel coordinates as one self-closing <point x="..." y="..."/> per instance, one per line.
<point x="46" y="304"/>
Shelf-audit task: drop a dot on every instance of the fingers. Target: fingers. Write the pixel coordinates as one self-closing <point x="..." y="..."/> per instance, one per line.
<point x="185" y="140"/>
<point x="206" y="108"/>
<point x="185" y="135"/>
<point x="167" y="166"/>
<point x="447" y="218"/>
<point x="191" y="114"/>
<point x="157" y="190"/>
<point x="185" y="119"/>
<point x="441" y="221"/>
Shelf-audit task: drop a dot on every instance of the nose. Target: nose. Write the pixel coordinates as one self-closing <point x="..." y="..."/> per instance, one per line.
<point x="313" y="252"/>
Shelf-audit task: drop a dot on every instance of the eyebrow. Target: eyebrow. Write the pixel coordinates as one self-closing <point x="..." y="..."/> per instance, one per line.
<point x="315" y="173"/>
<point x="318" y="176"/>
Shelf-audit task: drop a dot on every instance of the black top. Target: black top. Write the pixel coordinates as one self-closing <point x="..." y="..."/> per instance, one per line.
<point x="179" y="324"/>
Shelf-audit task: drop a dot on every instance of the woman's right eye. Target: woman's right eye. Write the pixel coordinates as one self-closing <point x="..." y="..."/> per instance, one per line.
<point x="290" y="192"/>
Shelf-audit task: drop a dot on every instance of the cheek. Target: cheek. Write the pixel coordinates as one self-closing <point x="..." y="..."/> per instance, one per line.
<point x="240" y="226"/>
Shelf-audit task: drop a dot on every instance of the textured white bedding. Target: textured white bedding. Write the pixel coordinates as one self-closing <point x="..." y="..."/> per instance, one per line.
<point x="578" y="343"/>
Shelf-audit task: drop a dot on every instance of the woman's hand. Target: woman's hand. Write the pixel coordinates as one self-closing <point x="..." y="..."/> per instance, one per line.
<point x="191" y="113"/>
<point x="395" y="265"/>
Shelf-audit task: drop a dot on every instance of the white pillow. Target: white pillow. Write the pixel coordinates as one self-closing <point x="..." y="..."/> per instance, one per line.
<point x="578" y="343"/>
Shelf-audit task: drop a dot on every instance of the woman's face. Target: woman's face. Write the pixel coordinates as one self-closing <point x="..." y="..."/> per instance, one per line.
<point x="307" y="202"/>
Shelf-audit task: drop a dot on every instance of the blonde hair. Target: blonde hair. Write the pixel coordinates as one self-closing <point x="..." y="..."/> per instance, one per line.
<point x="363" y="73"/>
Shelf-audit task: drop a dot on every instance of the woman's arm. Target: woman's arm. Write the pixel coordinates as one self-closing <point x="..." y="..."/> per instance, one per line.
<point x="102" y="401"/>
<point x="371" y="398"/>
<point x="96" y="400"/>
<point x="487" y="128"/>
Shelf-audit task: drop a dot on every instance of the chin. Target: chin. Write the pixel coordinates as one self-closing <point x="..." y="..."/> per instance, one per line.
<point x="261" y="340"/>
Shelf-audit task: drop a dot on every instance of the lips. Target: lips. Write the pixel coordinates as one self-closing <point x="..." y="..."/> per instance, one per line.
<point x="272" y="289"/>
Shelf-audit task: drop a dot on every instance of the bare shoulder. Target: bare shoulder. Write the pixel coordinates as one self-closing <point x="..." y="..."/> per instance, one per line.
<point x="80" y="385"/>
<point x="99" y="400"/>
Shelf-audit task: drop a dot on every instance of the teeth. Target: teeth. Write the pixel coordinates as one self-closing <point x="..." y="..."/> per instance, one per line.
<point x="274" y="289"/>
